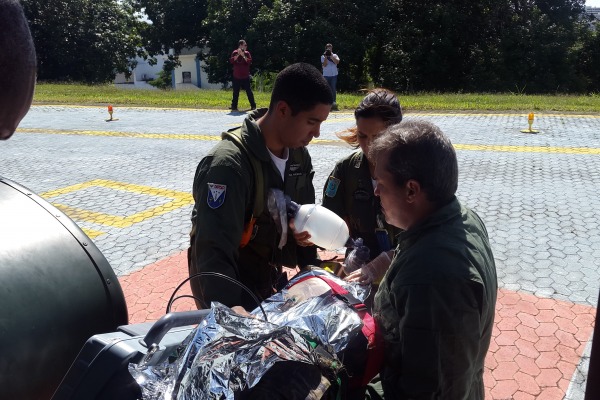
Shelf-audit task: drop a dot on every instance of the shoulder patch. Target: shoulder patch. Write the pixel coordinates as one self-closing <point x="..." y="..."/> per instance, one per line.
<point x="333" y="184"/>
<point x="216" y="195"/>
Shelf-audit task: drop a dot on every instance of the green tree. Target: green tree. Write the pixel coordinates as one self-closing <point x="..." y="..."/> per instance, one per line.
<point x="588" y="56"/>
<point x="538" y="45"/>
<point x="292" y="31"/>
<point x="524" y="45"/>
<point x="281" y="32"/>
<point x="174" y="24"/>
<point x="227" y="22"/>
<point x="82" y="40"/>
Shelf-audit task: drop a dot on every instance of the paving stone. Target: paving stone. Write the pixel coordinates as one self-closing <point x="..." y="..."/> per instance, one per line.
<point x="546" y="240"/>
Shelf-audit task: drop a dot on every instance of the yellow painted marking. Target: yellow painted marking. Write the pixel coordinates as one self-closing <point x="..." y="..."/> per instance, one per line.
<point x="178" y="136"/>
<point x="500" y="148"/>
<point x="92" y="234"/>
<point x="180" y="199"/>
<point x="116" y="108"/>
<point x="528" y="149"/>
<point x="350" y="113"/>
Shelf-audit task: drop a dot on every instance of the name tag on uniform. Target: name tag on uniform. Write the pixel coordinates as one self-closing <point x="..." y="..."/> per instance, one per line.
<point x="362" y="195"/>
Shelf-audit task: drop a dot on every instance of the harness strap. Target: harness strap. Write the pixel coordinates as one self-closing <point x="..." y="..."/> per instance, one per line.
<point x="369" y="330"/>
<point x="259" y="183"/>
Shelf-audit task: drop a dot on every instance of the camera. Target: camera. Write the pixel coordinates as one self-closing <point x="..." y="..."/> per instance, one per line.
<point x="327" y="53"/>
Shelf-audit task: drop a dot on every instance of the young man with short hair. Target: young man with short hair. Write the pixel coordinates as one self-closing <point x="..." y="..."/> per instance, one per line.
<point x="226" y="236"/>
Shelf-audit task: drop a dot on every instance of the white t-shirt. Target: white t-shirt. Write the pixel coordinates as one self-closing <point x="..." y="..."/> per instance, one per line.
<point x="331" y="68"/>
<point x="280" y="162"/>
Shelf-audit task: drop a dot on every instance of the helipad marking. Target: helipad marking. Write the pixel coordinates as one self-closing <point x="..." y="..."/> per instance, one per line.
<point x="180" y="199"/>
<point x="91" y="233"/>
<point x="528" y="149"/>
<point x="185" y="136"/>
<point x="593" y="115"/>
<point x="177" y="136"/>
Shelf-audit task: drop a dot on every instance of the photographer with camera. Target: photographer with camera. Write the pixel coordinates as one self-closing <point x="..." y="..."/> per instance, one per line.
<point x="241" y="60"/>
<point x="329" y="62"/>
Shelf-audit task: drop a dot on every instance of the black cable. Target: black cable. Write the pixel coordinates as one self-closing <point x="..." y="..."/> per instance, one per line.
<point x="218" y="275"/>
<point x="182" y="297"/>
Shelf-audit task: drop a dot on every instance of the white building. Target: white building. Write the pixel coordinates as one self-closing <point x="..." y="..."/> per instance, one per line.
<point x="594" y="11"/>
<point x="190" y="75"/>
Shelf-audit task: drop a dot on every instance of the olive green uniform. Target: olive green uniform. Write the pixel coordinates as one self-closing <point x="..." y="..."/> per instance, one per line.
<point x="436" y="307"/>
<point x="349" y="193"/>
<point x="224" y="198"/>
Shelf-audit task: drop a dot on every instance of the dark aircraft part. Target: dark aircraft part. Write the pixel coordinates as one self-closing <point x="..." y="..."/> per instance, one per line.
<point x="56" y="291"/>
<point x="592" y="391"/>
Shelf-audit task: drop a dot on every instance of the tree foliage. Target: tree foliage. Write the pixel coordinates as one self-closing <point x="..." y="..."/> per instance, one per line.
<point x="82" y="40"/>
<point x="588" y="58"/>
<point x="413" y="45"/>
<point x="288" y="32"/>
<point x="525" y="46"/>
<point x="174" y="24"/>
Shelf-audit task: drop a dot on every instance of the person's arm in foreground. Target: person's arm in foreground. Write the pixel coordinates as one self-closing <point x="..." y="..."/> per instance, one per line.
<point x="218" y="229"/>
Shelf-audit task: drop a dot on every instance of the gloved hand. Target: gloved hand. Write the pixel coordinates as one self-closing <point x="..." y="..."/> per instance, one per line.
<point x="373" y="271"/>
<point x="357" y="257"/>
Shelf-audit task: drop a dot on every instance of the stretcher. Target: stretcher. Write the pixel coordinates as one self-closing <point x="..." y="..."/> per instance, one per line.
<point x="100" y="371"/>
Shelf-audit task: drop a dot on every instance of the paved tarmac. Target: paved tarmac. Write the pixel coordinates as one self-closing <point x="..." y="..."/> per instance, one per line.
<point x="127" y="184"/>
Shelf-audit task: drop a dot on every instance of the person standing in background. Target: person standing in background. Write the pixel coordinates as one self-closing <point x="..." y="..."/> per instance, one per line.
<point x="241" y="60"/>
<point x="329" y="62"/>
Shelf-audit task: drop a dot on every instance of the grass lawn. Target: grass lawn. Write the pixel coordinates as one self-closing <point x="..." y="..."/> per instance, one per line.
<point x="77" y="94"/>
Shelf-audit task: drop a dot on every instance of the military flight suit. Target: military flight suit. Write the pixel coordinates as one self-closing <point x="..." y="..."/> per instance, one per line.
<point x="436" y="306"/>
<point x="349" y="193"/>
<point x="224" y="198"/>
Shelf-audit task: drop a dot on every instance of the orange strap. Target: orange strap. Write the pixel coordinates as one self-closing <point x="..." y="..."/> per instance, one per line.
<point x="247" y="234"/>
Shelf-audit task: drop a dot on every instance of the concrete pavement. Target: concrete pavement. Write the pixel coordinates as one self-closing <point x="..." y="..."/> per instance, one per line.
<point x="127" y="184"/>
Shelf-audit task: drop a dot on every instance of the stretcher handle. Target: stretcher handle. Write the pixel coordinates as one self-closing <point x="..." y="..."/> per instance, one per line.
<point x="172" y="320"/>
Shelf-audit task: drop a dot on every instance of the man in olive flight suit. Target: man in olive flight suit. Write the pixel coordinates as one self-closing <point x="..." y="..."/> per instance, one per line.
<point x="436" y="304"/>
<point x="226" y="237"/>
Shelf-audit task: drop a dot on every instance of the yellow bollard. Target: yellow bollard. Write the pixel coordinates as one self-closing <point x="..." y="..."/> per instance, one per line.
<point x="530" y="118"/>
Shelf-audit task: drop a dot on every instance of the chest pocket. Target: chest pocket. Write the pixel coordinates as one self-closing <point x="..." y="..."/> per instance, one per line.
<point x="297" y="177"/>
<point x="296" y="182"/>
<point x="360" y="202"/>
<point x="362" y="196"/>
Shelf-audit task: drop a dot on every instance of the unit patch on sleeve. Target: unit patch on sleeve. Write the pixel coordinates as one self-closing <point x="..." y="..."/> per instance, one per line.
<point x="332" y="186"/>
<point x="216" y="195"/>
